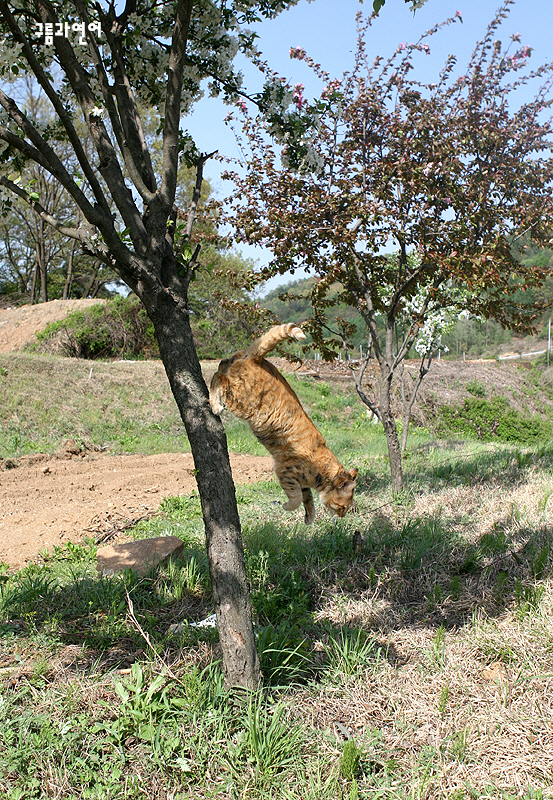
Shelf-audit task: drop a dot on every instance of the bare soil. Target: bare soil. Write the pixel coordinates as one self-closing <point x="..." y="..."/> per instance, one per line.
<point x="52" y="500"/>
<point x="19" y="325"/>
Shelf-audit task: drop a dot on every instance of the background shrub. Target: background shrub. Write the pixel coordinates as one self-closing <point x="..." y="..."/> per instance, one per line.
<point x="119" y="328"/>
<point x="495" y="419"/>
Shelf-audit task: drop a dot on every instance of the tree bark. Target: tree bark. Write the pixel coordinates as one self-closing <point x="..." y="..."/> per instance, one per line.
<point x="41" y="260"/>
<point x="33" y="283"/>
<point x="69" y="276"/>
<point x="216" y="488"/>
<point x="390" y="429"/>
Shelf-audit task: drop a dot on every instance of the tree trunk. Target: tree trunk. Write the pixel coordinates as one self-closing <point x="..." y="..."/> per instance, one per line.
<point x="390" y="430"/>
<point x="95" y="271"/>
<point x="33" y="283"/>
<point x="213" y="475"/>
<point x="41" y="260"/>
<point x="69" y="276"/>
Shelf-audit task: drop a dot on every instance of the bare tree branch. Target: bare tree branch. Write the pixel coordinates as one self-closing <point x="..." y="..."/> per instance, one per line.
<point x="193" y="210"/>
<point x="44" y="155"/>
<point x="408" y="406"/>
<point x="109" y="164"/>
<point x="81" y="234"/>
<point x="173" y="102"/>
<point x="125" y="118"/>
<point x="58" y="106"/>
<point x="358" y="378"/>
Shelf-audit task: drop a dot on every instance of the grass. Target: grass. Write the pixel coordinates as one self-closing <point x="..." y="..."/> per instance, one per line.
<point x="127" y="407"/>
<point x="407" y="649"/>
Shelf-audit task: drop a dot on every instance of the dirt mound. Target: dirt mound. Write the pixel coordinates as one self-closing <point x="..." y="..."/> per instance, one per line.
<point x="47" y="501"/>
<point x="18" y="326"/>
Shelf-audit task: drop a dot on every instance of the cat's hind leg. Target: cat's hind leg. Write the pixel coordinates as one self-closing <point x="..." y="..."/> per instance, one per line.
<point x="309" y="505"/>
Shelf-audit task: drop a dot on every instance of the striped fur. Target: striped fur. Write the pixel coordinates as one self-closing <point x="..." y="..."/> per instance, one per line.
<point x="254" y="390"/>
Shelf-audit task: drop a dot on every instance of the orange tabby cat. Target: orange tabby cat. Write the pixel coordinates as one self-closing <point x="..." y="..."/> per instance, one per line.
<point x="253" y="389"/>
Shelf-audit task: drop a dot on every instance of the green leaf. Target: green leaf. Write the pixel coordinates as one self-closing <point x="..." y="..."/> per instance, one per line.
<point x="121" y="691"/>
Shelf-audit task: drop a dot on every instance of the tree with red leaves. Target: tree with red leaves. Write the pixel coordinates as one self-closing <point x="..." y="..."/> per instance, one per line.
<point x="403" y="198"/>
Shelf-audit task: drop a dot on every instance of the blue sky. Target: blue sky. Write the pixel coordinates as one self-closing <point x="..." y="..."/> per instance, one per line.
<point x="326" y="29"/>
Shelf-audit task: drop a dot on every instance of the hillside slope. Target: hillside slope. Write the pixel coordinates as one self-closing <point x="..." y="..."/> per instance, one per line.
<point x="18" y="326"/>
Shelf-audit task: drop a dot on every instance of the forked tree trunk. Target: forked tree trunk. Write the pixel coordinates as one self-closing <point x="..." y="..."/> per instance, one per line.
<point x="383" y="411"/>
<point x="216" y="488"/>
<point x="390" y="429"/>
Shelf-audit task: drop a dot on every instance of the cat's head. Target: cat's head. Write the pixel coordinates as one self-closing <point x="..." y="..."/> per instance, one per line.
<point x="338" y="497"/>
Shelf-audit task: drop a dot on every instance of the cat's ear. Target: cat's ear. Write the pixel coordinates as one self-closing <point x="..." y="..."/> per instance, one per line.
<point x="347" y="486"/>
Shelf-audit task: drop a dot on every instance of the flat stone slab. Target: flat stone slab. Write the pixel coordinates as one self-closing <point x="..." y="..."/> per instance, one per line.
<point x="140" y="556"/>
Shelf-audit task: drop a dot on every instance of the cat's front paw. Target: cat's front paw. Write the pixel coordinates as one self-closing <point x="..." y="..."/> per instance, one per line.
<point x="291" y="505"/>
<point x="216" y="405"/>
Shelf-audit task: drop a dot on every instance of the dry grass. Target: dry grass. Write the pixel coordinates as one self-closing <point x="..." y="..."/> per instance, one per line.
<point x="452" y="586"/>
<point x="475" y="723"/>
<point x="459" y="700"/>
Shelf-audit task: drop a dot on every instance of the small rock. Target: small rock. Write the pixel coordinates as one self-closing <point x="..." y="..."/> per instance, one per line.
<point x="140" y="556"/>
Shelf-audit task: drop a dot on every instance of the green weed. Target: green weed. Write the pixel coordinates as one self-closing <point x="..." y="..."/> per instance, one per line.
<point x="349" y="762"/>
<point x="283" y="655"/>
<point x="443" y="700"/>
<point x="350" y="652"/>
<point x="437" y="652"/>
<point x="119" y="328"/>
<point x="265" y="740"/>
<point x="476" y="388"/>
<point x="495" y="419"/>
<point x="287" y="599"/>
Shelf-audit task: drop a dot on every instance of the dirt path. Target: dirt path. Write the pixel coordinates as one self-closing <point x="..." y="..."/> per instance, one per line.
<point x="47" y="501"/>
<point x="19" y="325"/>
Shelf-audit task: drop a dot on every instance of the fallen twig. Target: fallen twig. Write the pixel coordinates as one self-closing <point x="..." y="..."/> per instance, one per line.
<point x="119" y="527"/>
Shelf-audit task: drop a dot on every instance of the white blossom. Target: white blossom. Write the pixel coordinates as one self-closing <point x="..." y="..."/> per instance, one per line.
<point x="10" y="56"/>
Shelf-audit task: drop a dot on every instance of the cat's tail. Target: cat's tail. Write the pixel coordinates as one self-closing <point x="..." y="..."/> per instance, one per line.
<point x="275" y="335"/>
